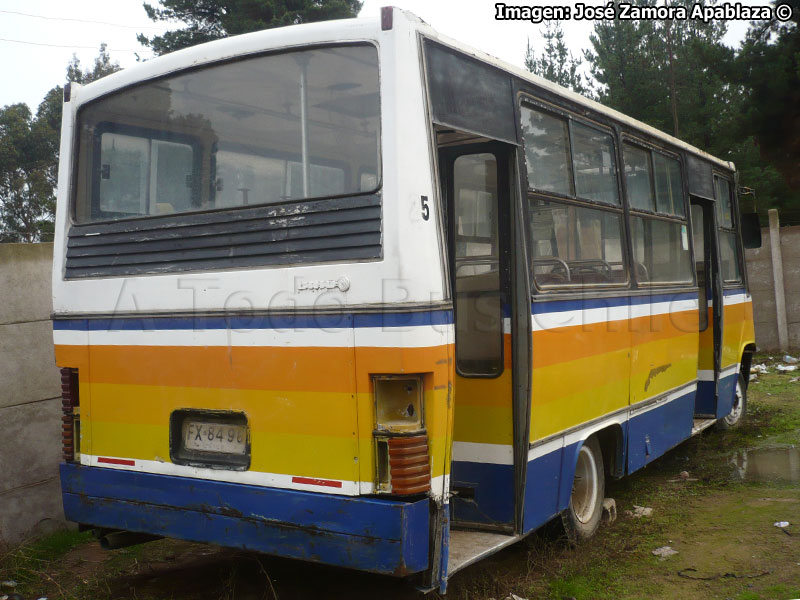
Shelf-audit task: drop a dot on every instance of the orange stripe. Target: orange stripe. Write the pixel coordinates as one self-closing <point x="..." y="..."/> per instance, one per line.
<point x="257" y="368"/>
<point x="583" y="341"/>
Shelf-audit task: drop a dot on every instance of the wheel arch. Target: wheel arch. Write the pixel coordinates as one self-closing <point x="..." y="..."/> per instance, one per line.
<point x="611" y="438"/>
<point x="746" y="361"/>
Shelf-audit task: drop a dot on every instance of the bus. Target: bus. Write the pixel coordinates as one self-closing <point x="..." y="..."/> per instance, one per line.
<point x="357" y="294"/>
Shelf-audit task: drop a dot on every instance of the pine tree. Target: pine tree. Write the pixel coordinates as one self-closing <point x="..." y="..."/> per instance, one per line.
<point x="208" y="20"/>
<point x="556" y="62"/>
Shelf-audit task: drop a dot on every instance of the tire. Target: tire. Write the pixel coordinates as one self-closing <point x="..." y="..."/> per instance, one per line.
<point x="582" y="517"/>
<point x="739" y="408"/>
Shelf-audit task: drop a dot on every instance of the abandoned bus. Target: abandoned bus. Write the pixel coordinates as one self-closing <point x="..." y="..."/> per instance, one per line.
<point x="354" y="293"/>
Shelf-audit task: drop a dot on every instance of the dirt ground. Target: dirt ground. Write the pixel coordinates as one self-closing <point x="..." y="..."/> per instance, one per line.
<point x="720" y="521"/>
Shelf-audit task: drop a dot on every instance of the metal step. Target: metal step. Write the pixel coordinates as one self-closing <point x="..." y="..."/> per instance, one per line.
<point x="701" y="424"/>
<point x="467" y="547"/>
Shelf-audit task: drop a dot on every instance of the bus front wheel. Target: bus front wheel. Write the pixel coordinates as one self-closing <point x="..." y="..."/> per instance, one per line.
<point x="582" y="517"/>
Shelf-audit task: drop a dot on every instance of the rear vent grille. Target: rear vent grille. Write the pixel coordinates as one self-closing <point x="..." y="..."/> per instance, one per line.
<point x="409" y="465"/>
<point x="336" y="229"/>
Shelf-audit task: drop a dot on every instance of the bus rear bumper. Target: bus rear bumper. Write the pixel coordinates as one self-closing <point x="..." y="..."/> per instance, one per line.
<point x="382" y="536"/>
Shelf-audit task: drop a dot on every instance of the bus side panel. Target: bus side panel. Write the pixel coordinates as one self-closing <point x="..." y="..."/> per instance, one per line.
<point x="382" y="536"/>
<point x="581" y="363"/>
<point x="482" y="447"/>
<point x="413" y="344"/>
<point x="706" y="401"/>
<point x="542" y="486"/>
<point x="581" y="367"/>
<point x="663" y="374"/>
<point x="737" y="320"/>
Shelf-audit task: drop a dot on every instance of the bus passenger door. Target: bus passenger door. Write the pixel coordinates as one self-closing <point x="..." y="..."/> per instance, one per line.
<point x="710" y="307"/>
<point x="475" y="183"/>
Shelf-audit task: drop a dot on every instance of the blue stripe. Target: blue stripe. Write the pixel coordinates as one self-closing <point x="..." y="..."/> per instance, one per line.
<point x="299" y="321"/>
<point x="734" y="292"/>
<point x="384" y="536"/>
<point x="556" y="305"/>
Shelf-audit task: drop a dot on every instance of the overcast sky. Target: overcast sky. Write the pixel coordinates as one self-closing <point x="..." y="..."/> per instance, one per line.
<point x="79" y="26"/>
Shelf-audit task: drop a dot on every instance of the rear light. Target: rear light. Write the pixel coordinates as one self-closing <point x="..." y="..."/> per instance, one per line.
<point x="402" y="460"/>
<point x="70" y="420"/>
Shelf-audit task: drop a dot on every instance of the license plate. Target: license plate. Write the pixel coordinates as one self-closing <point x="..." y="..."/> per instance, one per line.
<point x="214" y="437"/>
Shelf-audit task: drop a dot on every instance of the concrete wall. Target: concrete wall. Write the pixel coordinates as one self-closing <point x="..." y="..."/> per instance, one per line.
<point x="762" y="287"/>
<point x="30" y="396"/>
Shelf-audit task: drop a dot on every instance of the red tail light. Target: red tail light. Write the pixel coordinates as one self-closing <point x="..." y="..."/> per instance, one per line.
<point x="409" y="465"/>
<point x="70" y="421"/>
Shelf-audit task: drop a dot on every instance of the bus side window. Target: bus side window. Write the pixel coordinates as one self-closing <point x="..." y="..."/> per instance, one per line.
<point x="575" y="245"/>
<point x="661" y="251"/>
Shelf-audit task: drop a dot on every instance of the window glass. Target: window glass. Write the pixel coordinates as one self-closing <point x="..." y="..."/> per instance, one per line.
<point x="595" y="164"/>
<point x="479" y="319"/>
<point x="547" y="152"/>
<point x="668" y="184"/>
<point x="128" y="159"/>
<point x="233" y="134"/>
<point x="575" y="245"/>
<point x="724" y="202"/>
<point x="660" y="251"/>
<point x="729" y="255"/>
<point x="638" y="177"/>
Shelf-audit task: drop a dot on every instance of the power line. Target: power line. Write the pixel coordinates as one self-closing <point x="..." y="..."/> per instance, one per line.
<point x="22" y="14"/>
<point x="70" y="46"/>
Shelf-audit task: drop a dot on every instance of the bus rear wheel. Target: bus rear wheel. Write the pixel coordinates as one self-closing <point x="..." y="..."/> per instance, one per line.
<point x="582" y="517"/>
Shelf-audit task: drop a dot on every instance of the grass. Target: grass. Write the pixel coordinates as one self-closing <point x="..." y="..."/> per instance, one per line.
<point x="717" y="524"/>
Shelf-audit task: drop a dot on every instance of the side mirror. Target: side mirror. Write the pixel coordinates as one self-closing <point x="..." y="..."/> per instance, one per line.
<point x="751" y="231"/>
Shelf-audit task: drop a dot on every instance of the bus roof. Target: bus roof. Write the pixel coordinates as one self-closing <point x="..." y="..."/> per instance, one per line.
<point x="430" y="32"/>
<point x="346" y="30"/>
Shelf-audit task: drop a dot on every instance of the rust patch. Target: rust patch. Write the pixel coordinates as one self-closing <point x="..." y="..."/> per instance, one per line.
<point x="653" y="372"/>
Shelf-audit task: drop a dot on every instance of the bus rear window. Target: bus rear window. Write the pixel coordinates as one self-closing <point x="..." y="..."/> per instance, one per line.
<point x="264" y="130"/>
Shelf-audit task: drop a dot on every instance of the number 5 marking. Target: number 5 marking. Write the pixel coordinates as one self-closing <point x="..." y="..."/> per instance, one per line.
<point x="426" y="211"/>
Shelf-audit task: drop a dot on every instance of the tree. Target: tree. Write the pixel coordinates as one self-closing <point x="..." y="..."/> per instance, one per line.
<point x="103" y="65"/>
<point x="768" y="80"/>
<point x="208" y="20"/>
<point x="556" y="62"/>
<point x="29" y="158"/>
<point x="671" y="74"/>
<point x="27" y="172"/>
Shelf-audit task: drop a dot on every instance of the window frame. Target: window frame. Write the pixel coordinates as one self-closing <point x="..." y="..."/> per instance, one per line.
<point x="75" y="146"/>
<point x="570" y="118"/>
<point x="150" y="135"/>
<point x="655" y="214"/>
<point x="526" y="100"/>
<point x="651" y="149"/>
<point x="733" y="229"/>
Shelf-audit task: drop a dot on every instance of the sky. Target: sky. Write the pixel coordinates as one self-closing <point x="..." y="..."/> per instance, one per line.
<point x="37" y="45"/>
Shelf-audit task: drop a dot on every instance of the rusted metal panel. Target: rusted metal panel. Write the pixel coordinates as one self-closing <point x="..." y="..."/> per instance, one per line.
<point x="383" y="536"/>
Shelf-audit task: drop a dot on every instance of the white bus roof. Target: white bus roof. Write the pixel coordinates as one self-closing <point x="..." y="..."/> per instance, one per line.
<point x="350" y="30"/>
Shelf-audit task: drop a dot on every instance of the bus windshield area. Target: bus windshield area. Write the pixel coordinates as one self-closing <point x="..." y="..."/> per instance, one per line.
<point x="255" y="131"/>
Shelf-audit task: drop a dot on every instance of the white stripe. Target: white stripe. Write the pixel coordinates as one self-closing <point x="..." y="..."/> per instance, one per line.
<point x="579" y="435"/>
<point x="588" y="316"/>
<point x="423" y="336"/>
<point x="736" y="299"/>
<point x="276" y="480"/>
<point x="708" y="375"/>
<point x="497" y="454"/>
<point x="705" y="375"/>
<point x="728" y="371"/>
<point x="67" y="337"/>
<point x="660" y="402"/>
<point x="546" y="448"/>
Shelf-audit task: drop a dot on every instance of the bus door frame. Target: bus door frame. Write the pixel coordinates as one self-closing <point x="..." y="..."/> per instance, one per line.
<point x="515" y="287"/>
<point x="713" y="292"/>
